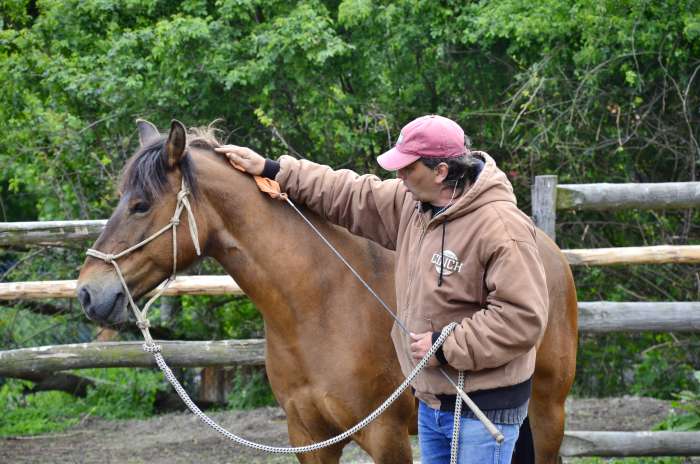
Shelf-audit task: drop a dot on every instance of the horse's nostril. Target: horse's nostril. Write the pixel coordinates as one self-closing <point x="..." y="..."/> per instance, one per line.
<point x="84" y="297"/>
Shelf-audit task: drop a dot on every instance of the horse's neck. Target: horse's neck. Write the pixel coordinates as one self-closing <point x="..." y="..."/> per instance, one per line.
<point x="262" y="244"/>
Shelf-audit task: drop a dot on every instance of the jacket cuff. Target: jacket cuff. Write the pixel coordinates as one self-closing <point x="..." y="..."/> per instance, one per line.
<point x="439" y="354"/>
<point x="271" y="169"/>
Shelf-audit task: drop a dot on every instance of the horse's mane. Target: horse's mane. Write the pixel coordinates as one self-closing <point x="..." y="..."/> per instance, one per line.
<point x="146" y="173"/>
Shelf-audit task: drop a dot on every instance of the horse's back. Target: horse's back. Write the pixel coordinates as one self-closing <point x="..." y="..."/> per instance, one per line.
<point x="562" y="318"/>
<point x="556" y="357"/>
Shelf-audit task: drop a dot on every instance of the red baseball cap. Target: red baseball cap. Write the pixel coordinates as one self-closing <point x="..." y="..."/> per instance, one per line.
<point x="430" y="136"/>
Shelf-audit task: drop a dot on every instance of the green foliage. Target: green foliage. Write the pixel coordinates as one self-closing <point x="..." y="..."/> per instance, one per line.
<point x="118" y="394"/>
<point x="648" y="364"/>
<point x="217" y="318"/>
<point x="250" y="390"/>
<point x="20" y="328"/>
<point x="688" y="402"/>
<point x="35" y="414"/>
<point x="662" y="373"/>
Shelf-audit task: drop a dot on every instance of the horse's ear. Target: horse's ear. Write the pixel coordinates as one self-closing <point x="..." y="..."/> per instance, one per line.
<point x="177" y="141"/>
<point x="148" y="132"/>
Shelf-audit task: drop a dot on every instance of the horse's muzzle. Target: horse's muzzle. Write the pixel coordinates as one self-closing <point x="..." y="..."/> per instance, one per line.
<point x="104" y="304"/>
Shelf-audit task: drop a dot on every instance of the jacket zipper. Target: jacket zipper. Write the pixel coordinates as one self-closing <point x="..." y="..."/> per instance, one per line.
<point x="411" y="278"/>
<point x="425" y="227"/>
<point x="414" y="269"/>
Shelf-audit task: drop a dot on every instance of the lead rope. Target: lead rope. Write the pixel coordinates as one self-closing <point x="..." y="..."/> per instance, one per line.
<point x="490" y="427"/>
<point x="457" y="422"/>
<point x="299" y="449"/>
<point x="151" y="347"/>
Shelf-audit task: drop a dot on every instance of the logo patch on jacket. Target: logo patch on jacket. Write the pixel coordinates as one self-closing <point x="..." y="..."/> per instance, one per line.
<point x="452" y="263"/>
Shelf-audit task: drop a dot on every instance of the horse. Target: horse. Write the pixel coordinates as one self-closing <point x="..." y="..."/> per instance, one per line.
<point x="329" y="357"/>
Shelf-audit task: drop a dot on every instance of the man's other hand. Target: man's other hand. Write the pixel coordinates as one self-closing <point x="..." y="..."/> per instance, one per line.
<point x="243" y="159"/>
<point x="421" y="345"/>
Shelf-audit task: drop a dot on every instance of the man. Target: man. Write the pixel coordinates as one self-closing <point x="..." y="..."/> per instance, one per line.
<point x="464" y="253"/>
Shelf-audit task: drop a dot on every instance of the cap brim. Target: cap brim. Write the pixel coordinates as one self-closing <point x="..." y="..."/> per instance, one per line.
<point x="394" y="159"/>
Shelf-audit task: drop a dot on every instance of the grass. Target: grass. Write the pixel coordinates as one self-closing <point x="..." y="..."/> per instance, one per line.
<point x="119" y="394"/>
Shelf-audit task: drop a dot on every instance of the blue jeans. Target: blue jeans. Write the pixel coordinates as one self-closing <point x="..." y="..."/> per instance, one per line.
<point x="476" y="445"/>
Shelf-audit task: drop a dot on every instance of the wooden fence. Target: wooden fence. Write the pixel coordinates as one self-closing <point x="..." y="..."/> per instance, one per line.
<point x="547" y="198"/>
<point x="594" y="317"/>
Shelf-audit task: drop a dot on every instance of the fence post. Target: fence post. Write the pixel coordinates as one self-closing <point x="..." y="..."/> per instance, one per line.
<point x="170" y="306"/>
<point x="544" y="204"/>
<point x="215" y="384"/>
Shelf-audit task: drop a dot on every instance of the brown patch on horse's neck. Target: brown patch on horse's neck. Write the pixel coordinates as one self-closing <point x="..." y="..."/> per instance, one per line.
<point x="275" y="257"/>
<point x="254" y="237"/>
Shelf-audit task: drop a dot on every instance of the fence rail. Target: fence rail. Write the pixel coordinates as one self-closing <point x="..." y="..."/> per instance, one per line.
<point x="621" y="444"/>
<point x="25" y="362"/>
<point x="611" y="197"/>
<point x="49" y="232"/>
<point x="608" y="316"/>
<point x="660" y="254"/>
<point x="594" y="317"/>
<point x="63" y="232"/>
<point x="548" y="196"/>
<point x="182" y="285"/>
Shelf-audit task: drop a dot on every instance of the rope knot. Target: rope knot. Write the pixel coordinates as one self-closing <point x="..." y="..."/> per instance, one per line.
<point x="152" y="348"/>
<point x="143" y="325"/>
<point x="107" y="258"/>
<point x="175" y="221"/>
<point x="182" y="194"/>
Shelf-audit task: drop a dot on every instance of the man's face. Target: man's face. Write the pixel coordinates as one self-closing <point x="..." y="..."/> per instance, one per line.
<point x="423" y="183"/>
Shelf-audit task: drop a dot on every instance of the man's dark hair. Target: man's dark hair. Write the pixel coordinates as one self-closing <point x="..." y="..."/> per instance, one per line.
<point x="460" y="169"/>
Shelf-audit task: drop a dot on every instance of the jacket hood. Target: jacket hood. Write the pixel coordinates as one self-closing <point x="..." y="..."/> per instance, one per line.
<point x="491" y="185"/>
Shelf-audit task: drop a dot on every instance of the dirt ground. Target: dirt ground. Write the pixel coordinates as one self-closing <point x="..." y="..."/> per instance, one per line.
<point x="180" y="437"/>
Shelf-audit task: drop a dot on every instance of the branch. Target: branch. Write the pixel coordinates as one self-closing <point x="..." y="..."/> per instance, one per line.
<point x="69" y="383"/>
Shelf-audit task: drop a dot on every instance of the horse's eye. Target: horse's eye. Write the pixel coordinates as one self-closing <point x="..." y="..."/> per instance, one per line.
<point x="140" y="207"/>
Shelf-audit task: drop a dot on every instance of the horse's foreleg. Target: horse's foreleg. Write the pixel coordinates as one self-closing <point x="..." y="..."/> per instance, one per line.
<point x="305" y="426"/>
<point x="386" y="441"/>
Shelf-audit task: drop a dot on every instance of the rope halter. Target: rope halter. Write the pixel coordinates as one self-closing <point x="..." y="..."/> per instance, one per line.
<point x="183" y="203"/>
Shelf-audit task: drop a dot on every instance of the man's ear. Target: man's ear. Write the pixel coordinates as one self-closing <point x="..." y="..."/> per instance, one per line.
<point x="441" y="172"/>
<point x="176" y="143"/>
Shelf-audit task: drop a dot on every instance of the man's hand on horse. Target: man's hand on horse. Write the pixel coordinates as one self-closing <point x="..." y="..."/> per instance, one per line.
<point x="421" y="345"/>
<point x="243" y="159"/>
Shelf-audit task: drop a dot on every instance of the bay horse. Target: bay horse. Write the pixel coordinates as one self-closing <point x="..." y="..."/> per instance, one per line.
<point x="329" y="359"/>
